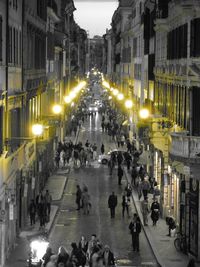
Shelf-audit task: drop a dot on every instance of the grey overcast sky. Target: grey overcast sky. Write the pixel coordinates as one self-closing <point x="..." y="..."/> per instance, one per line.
<point x="95" y="15"/>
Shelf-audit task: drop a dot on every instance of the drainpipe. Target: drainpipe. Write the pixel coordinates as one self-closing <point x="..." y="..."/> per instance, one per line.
<point x="5" y="136"/>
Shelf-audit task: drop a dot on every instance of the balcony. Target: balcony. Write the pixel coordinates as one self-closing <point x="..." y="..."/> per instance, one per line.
<point x="185" y="148"/>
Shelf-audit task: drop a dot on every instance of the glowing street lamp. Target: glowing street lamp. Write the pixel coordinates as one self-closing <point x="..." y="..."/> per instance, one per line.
<point x="128" y="104"/>
<point x="67" y="99"/>
<point x="120" y="96"/>
<point x="37" y="129"/>
<point x="144" y="113"/>
<point x="115" y="92"/>
<point x="72" y="95"/>
<point x="57" y="109"/>
<point x="106" y="84"/>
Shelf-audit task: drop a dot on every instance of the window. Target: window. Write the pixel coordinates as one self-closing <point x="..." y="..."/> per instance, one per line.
<point x="134" y="47"/>
<point x="195" y="38"/>
<point x="1" y="38"/>
<point x="10" y="45"/>
<point x="15" y="4"/>
<point x="177" y="43"/>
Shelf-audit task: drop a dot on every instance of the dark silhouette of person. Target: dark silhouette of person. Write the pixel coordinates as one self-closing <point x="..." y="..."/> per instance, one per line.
<point x="112" y="203"/>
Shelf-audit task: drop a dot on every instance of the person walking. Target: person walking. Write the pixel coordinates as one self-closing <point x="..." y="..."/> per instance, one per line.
<point x="86" y="201"/>
<point x="145" y="210"/>
<point x="112" y="204"/>
<point x="191" y="263"/>
<point x="78" y="197"/>
<point x="47" y="256"/>
<point x="48" y="199"/>
<point x="83" y="245"/>
<point x="145" y="187"/>
<point x="32" y="211"/>
<point x="135" y="229"/>
<point x="120" y="174"/>
<point x="155" y="211"/>
<point x="125" y="203"/>
<point x="102" y="149"/>
<point x="52" y="262"/>
<point x="134" y="175"/>
<point x="63" y="255"/>
<point x="108" y="257"/>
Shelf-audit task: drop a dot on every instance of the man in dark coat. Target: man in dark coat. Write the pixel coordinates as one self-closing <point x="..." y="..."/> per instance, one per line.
<point x="112" y="203"/>
<point x="155" y="211"/>
<point x="108" y="257"/>
<point x="32" y="211"/>
<point x="120" y="174"/>
<point x="135" y="228"/>
<point x="78" y="197"/>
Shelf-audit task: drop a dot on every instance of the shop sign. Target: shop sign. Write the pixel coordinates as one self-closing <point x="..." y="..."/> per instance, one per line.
<point x="33" y="183"/>
<point x="11" y="212"/>
<point x="25" y="190"/>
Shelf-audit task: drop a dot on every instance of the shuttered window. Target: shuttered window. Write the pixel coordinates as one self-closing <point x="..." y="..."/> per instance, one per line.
<point x="195" y="38"/>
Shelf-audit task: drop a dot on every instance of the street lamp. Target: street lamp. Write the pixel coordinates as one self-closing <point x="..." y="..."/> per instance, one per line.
<point x="144" y="113"/>
<point x="37" y="129"/>
<point x="115" y="92"/>
<point x="120" y="96"/>
<point x="67" y="99"/>
<point x="57" y="109"/>
<point x="128" y="104"/>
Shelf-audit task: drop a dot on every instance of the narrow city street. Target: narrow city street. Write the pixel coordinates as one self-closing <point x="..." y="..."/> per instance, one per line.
<point x="71" y="224"/>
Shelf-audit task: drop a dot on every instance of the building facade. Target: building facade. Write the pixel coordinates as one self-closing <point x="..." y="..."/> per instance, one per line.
<point x="153" y="57"/>
<point x="34" y="74"/>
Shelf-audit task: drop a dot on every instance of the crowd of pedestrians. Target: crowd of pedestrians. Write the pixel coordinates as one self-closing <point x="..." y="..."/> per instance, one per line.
<point x="75" y="155"/>
<point x="92" y="253"/>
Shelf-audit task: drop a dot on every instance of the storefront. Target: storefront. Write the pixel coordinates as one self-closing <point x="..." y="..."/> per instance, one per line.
<point x="193" y="217"/>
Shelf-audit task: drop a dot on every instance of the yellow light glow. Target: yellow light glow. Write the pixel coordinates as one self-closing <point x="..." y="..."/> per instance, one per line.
<point x="105" y="84"/>
<point x="95" y="73"/>
<point x="72" y="95"/>
<point x="120" y="96"/>
<point x="110" y="97"/>
<point x="67" y="99"/>
<point x="115" y="92"/>
<point x="72" y="104"/>
<point x="37" y="129"/>
<point x="144" y="113"/>
<point x="129" y="104"/>
<point x="111" y="89"/>
<point x="57" y="109"/>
